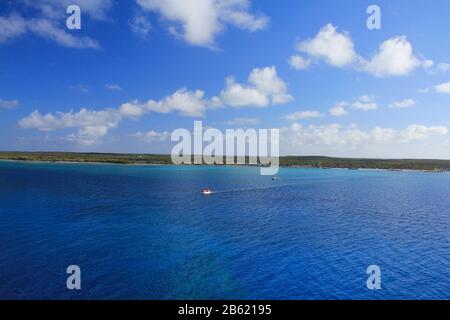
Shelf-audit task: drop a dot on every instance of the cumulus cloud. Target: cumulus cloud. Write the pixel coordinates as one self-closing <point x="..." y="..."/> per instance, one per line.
<point x="132" y="110"/>
<point x="264" y="87"/>
<point x="329" y="44"/>
<point x="303" y="115"/>
<point x="339" y="109"/>
<point x="439" y="88"/>
<point x="299" y="63"/>
<point x="416" y="132"/>
<point x="413" y="141"/>
<point x="91" y="125"/>
<point x="330" y="134"/>
<point x="407" y="103"/>
<point x="443" y="88"/>
<point x="352" y="136"/>
<point x="238" y="95"/>
<point x="395" y="56"/>
<point x="152" y="136"/>
<point x="8" y="104"/>
<point x="61" y="120"/>
<point x="199" y="22"/>
<point x="184" y="102"/>
<point x="435" y="68"/>
<point x="365" y="103"/>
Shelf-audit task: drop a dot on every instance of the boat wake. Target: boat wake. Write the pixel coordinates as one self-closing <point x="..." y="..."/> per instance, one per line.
<point x="253" y="189"/>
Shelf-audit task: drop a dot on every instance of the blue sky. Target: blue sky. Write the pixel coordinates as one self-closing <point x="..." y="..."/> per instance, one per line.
<point x="137" y="70"/>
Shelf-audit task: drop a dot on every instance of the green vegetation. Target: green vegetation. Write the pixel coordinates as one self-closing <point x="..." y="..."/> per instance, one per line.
<point x="87" y="157"/>
<point x="314" y="162"/>
<point x="389" y="164"/>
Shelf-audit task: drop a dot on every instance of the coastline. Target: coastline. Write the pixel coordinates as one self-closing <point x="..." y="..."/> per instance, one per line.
<point x="216" y="165"/>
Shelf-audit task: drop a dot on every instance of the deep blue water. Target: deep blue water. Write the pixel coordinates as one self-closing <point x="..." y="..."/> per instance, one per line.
<point x="145" y="232"/>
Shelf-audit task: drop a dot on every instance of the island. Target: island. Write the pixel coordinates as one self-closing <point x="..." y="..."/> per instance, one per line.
<point x="432" y="165"/>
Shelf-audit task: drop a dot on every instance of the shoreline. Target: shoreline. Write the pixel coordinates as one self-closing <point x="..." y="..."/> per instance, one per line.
<point x="218" y="165"/>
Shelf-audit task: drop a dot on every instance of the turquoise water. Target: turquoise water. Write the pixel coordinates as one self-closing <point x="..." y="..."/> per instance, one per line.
<point x="146" y="232"/>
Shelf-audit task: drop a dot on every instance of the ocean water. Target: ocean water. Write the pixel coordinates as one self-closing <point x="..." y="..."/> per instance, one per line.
<point x="146" y="232"/>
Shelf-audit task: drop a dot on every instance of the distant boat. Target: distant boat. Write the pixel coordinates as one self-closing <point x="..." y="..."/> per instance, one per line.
<point x="206" y="191"/>
<point x="275" y="178"/>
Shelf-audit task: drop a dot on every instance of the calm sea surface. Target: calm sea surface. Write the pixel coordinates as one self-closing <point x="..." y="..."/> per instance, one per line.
<point x="146" y="232"/>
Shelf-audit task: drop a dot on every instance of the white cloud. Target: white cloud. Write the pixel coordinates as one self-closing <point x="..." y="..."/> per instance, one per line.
<point x="365" y="103"/>
<point x="88" y="136"/>
<point x="91" y="125"/>
<point x="61" y="120"/>
<point x="237" y="95"/>
<point x="442" y="88"/>
<point x="132" y="109"/>
<point x="266" y="80"/>
<point x="351" y="140"/>
<point x="199" y="22"/>
<point x="299" y="63"/>
<point x="184" y="102"/>
<point x="421" y="132"/>
<point x="434" y="68"/>
<point x="113" y="87"/>
<point x="264" y="87"/>
<point x="302" y="115"/>
<point x="407" y="103"/>
<point x="8" y="104"/>
<point x="339" y="109"/>
<point x="364" y="106"/>
<point x="152" y="136"/>
<point x="381" y="135"/>
<point x="395" y="58"/>
<point x="330" y="134"/>
<point x="335" y="48"/>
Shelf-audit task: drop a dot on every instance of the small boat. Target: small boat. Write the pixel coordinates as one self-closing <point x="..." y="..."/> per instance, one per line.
<point x="207" y="191"/>
<point x="275" y="178"/>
